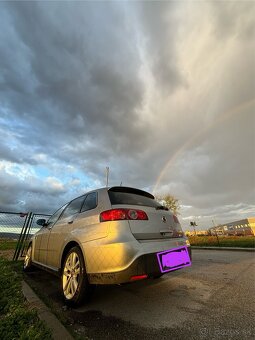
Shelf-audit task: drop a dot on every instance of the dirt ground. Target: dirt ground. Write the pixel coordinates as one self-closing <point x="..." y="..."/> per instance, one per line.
<point x="7" y="254"/>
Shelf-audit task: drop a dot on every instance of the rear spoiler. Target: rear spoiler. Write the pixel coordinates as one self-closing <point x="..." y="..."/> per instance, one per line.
<point x="131" y="191"/>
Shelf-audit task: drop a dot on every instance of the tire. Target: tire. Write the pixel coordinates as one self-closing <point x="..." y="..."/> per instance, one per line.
<point x="155" y="277"/>
<point x="75" y="286"/>
<point x="27" y="264"/>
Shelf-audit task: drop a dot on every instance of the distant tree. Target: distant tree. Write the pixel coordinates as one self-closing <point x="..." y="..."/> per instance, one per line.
<point x="171" y="202"/>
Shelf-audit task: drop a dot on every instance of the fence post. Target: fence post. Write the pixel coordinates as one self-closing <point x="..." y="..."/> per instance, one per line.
<point x="27" y="234"/>
<point x="16" y="249"/>
<point x="22" y="236"/>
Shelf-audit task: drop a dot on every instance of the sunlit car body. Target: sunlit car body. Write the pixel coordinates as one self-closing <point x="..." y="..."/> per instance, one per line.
<point x="112" y="234"/>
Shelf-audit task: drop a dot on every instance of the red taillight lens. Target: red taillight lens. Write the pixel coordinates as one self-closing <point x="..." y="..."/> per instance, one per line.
<point x="176" y="219"/>
<point x="113" y="215"/>
<point x="123" y="214"/>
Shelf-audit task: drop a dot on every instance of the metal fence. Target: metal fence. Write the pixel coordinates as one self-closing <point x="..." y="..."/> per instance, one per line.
<point x="11" y="223"/>
<point x="19" y="226"/>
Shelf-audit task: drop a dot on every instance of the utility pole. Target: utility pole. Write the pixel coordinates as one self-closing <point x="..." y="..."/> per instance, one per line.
<point x="107" y="176"/>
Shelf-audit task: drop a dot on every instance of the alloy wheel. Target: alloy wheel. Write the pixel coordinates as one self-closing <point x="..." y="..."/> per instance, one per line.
<point x="71" y="275"/>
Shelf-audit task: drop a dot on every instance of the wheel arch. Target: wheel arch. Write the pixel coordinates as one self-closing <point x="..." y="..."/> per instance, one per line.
<point x="69" y="246"/>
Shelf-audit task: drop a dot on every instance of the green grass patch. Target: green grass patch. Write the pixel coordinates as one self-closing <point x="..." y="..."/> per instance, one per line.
<point x="6" y="244"/>
<point x="17" y="319"/>
<point x="224" y="241"/>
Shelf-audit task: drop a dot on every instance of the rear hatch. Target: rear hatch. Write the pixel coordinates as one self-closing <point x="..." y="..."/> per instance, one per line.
<point x="161" y="223"/>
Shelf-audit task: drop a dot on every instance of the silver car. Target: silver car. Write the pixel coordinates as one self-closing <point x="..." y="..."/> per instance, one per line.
<point x="108" y="236"/>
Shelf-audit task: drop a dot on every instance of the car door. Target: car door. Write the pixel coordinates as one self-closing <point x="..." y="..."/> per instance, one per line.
<point x="43" y="237"/>
<point x="61" y="230"/>
<point x="88" y="220"/>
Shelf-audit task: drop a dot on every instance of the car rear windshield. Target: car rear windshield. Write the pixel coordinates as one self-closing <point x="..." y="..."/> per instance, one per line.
<point x="137" y="197"/>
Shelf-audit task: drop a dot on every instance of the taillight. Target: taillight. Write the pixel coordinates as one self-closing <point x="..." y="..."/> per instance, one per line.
<point x="176" y="219"/>
<point x="123" y="214"/>
<point x="177" y="232"/>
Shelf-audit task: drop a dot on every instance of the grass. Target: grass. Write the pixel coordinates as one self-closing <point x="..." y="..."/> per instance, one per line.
<point x="6" y="244"/>
<point x="17" y="319"/>
<point x="224" y="241"/>
<point x="55" y="308"/>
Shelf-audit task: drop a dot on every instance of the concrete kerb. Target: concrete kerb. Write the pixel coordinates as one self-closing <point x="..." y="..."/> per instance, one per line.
<point x="59" y="332"/>
<point x="223" y="248"/>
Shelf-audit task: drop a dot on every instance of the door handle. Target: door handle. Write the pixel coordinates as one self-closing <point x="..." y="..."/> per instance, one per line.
<point x="70" y="222"/>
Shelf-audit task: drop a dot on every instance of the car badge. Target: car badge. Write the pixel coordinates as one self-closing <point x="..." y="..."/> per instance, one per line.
<point x="164" y="219"/>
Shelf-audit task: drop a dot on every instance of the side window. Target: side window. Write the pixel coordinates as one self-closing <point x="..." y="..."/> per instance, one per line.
<point x="74" y="207"/>
<point x="55" y="216"/>
<point x="90" y="202"/>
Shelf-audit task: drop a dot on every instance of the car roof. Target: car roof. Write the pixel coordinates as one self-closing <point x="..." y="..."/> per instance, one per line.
<point x="118" y="189"/>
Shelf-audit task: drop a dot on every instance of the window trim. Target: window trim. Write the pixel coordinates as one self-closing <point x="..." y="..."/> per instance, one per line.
<point x="66" y="204"/>
<point x="93" y="192"/>
<point x="61" y="216"/>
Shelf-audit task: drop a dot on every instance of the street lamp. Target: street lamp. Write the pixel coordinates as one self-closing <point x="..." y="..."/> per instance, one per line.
<point x="193" y="224"/>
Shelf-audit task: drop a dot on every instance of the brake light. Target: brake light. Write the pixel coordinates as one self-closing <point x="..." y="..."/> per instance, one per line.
<point x="176" y="219"/>
<point x="123" y="214"/>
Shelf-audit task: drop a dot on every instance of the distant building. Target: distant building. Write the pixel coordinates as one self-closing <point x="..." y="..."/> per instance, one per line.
<point x="197" y="233"/>
<point x="243" y="227"/>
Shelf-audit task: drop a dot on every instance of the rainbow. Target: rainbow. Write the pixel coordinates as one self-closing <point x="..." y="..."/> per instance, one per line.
<point x="222" y="118"/>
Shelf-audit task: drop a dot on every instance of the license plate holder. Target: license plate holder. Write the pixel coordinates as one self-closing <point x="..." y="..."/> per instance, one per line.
<point x="173" y="259"/>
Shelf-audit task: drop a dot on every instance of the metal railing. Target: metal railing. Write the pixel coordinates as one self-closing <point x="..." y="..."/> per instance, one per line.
<point x="20" y="227"/>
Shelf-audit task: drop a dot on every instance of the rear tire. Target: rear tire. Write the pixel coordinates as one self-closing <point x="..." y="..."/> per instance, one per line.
<point x="75" y="286"/>
<point x="157" y="276"/>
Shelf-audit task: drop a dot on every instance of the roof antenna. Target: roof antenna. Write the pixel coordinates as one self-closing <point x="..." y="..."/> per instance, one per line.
<point x="107" y="176"/>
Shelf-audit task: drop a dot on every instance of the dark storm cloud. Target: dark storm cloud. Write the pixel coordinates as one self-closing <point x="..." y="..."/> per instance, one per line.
<point x="86" y="75"/>
<point x="160" y="26"/>
<point x="18" y="195"/>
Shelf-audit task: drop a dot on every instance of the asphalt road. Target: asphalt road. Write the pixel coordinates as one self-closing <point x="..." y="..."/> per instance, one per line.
<point x="213" y="299"/>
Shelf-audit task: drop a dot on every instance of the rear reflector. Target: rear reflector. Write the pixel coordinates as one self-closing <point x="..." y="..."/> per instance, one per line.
<point x="138" y="277"/>
<point x="123" y="214"/>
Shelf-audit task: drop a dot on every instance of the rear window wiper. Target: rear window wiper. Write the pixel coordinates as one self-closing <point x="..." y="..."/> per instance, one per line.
<point x="161" y="207"/>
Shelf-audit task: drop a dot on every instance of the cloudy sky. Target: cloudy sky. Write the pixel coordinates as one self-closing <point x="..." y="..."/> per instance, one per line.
<point x="161" y="92"/>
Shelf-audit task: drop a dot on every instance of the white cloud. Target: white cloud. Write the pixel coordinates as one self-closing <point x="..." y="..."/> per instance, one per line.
<point x="54" y="183"/>
<point x="20" y="171"/>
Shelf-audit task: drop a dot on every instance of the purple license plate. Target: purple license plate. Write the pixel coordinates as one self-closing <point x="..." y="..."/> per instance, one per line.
<point x="173" y="259"/>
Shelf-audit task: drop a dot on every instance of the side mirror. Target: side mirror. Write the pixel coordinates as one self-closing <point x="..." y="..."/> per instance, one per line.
<point x="41" y="222"/>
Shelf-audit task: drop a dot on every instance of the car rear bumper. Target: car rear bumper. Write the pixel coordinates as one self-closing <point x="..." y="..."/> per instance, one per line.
<point x="144" y="265"/>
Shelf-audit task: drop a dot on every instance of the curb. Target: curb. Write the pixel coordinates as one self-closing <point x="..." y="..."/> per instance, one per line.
<point x="59" y="332"/>
<point x="224" y="248"/>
